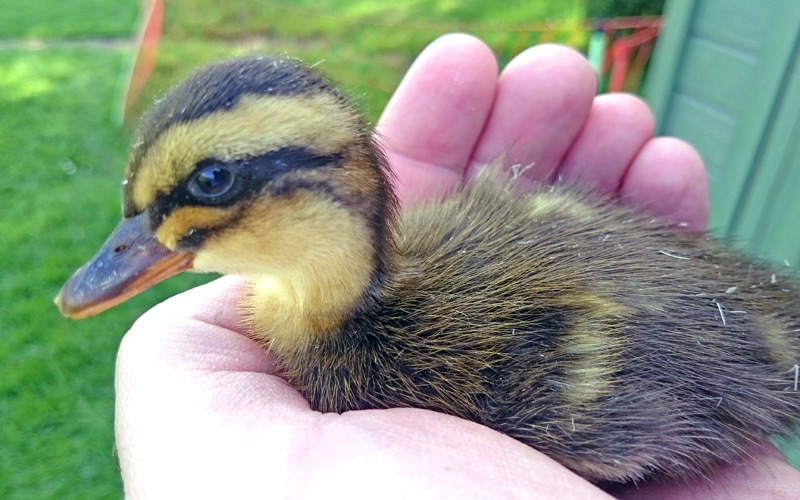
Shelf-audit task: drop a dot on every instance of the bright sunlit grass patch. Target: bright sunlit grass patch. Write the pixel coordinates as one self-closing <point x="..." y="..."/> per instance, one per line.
<point x="51" y="19"/>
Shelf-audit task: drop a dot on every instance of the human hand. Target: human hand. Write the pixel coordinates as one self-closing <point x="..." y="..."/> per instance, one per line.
<point x="201" y="413"/>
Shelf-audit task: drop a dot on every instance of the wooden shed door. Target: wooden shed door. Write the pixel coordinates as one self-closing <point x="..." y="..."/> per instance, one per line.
<point x="726" y="77"/>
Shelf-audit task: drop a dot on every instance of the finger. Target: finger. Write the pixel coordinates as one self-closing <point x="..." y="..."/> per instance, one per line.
<point x="197" y="339"/>
<point x="202" y="330"/>
<point x="440" y="456"/>
<point x="669" y="178"/>
<point x="543" y="98"/>
<point x="617" y="128"/>
<point x="185" y="368"/>
<point x="430" y="126"/>
<point x="765" y="475"/>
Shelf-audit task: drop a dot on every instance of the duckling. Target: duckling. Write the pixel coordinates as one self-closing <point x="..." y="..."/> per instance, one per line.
<point x="621" y="347"/>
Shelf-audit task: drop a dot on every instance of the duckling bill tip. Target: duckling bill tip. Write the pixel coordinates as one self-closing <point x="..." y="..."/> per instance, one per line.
<point x="129" y="262"/>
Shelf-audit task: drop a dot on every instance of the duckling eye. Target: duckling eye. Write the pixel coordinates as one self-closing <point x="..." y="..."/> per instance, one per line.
<point x="213" y="180"/>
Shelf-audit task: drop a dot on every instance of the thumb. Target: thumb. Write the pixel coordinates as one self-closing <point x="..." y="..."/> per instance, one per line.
<point x="189" y="387"/>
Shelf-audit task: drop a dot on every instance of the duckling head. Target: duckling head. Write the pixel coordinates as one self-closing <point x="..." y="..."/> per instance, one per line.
<point x="257" y="167"/>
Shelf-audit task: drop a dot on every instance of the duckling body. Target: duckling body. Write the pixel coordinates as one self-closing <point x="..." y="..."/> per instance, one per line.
<point x="621" y="347"/>
<point x="616" y="346"/>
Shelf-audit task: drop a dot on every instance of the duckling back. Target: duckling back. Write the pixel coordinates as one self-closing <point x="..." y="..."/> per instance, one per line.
<point x="618" y="346"/>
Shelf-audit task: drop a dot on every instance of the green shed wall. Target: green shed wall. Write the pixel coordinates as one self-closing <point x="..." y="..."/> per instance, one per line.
<point x="725" y="77"/>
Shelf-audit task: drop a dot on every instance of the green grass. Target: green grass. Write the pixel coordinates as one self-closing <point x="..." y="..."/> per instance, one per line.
<point x="61" y="154"/>
<point x="309" y="19"/>
<point x="365" y="46"/>
<point x="61" y="157"/>
<point x="67" y="19"/>
<point x="56" y="393"/>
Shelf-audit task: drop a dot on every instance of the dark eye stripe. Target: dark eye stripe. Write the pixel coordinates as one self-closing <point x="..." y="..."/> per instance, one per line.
<point x="249" y="176"/>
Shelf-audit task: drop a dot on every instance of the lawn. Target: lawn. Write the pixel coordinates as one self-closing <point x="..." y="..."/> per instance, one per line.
<point x="62" y="152"/>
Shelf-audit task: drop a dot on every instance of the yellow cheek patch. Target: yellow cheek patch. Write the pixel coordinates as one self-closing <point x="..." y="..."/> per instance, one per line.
<point x="277" y="236"/>
<point x="310" y="260"/>
<point x="184" y="221"/>
<point x="256" y="125"/>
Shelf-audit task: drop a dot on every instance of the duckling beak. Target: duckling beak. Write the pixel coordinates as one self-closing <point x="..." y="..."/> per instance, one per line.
<point x="130" y="261"/>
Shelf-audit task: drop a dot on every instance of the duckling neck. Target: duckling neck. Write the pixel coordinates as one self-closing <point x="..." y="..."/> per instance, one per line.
<point x="323" y="284"/>
<point x="292" y="312"/>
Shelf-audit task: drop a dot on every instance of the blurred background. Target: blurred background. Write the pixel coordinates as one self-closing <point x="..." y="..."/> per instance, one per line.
<point x="74" y="76"/>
